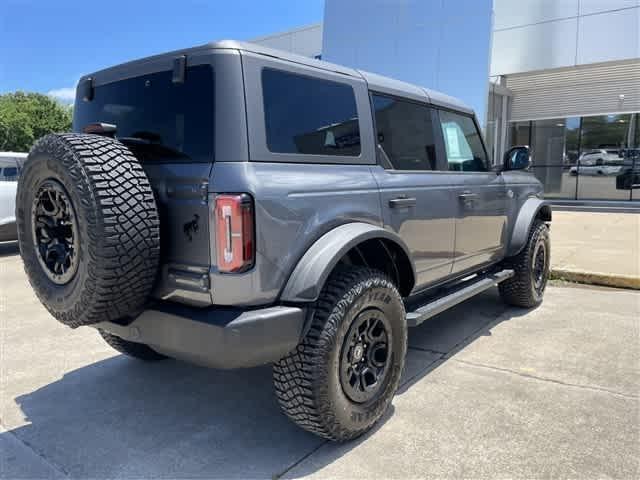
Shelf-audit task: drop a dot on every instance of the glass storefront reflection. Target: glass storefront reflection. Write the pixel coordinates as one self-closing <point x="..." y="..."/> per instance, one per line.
<point x="601" y="157"/>
<point x="585" y="158"/>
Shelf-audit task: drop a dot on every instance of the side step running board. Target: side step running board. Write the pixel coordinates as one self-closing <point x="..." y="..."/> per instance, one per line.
<point x="465" y="291"/>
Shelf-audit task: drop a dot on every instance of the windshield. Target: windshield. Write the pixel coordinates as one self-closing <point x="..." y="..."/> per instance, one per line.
<point x="158" y="119"/>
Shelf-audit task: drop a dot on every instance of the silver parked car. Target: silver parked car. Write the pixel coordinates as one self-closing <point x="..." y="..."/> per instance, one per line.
<point x="10" y="165"/>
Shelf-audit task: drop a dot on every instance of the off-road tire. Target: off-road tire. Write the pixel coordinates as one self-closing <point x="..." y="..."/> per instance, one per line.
<point x="307" y="381"/>
<point x="117" y="222"/>
<point x="520" y="290"/>
<point x="131" y="349"/>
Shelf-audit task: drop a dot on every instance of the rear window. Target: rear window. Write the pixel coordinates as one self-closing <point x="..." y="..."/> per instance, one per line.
<point x="158" y="119"/>
<point x="308" y="115"/>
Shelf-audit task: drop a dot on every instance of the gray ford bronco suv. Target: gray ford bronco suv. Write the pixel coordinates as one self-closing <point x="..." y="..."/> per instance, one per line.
<point x="233" y="205"/>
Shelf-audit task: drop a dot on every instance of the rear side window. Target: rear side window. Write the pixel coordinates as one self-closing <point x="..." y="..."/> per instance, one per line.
<point x="462" y="141"/>
<point x="308" y="115"/>
<point x="405" y="133"/>
<point x="158" y="119"/>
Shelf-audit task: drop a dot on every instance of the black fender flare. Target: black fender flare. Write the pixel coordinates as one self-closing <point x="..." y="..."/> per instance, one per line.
<point x="532" y="208"/>
<point x="313" y="269"/>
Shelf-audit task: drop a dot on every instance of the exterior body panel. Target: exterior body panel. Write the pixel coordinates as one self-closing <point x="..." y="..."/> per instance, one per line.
<point x="427" y="230"/>
<point x="295" y="206"/>
<point x="311" y="273"/>
<point x="482" y="220"/>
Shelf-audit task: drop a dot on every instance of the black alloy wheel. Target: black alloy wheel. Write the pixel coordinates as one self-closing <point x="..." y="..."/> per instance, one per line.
<point x="366" y="354"/>
<point x="539" y="267"/>
<point x="55" y="232"/>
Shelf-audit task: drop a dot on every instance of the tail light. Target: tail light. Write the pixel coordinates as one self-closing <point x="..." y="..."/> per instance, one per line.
<point x="235" y="245"/>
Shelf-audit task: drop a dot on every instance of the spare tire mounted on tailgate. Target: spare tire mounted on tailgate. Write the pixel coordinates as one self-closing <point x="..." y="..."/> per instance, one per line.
<point x="88" y="228"/>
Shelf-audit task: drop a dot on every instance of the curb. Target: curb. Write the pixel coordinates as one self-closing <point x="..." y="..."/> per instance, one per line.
<point x="594" y="278"/>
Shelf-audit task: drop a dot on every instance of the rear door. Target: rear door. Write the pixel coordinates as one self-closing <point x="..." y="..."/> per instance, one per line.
<point x="479" y="193"/>
<point x="416" y="200"/>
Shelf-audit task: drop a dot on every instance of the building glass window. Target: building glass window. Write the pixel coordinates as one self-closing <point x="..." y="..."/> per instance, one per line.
<point x="405" y="133"/>
<point x="586" y="158"/>
<point x="309" y="115"/>
<point x="630" y="174"/>
<point x="550" y="142"/>
<point x="520" y="133"/>
<point x="604" y="139"/>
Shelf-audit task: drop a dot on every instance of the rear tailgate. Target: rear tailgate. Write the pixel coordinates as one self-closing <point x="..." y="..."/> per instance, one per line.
<point x="169" y="127"/>
<point x="181" y="194"/>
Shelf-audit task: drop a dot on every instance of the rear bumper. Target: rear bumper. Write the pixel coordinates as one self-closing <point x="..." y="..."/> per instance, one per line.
<point x="216" y="337"/>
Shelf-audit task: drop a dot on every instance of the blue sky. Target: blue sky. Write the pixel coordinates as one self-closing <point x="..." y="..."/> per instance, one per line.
<point x="45" y="45"/>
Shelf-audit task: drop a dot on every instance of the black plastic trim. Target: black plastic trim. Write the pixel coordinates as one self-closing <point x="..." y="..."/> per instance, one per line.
<point x="457" y="295"/>
<point x="216" y="337"/>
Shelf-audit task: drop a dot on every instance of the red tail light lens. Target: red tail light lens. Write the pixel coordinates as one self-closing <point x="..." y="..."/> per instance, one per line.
<point x="235" y="246"/>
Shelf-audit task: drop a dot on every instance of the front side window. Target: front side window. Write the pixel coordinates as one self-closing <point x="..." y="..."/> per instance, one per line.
<point x="463" y="143"/>
<point x="405" y="133"/>
<point x="309" y="116"/>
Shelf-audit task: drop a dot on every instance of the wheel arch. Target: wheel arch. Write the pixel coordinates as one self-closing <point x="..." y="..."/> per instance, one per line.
<point x="532" y="209"/>
<point x="354" y="243"/>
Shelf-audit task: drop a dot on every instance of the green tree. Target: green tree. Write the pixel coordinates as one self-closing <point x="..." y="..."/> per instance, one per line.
<point x="25" y="117"/>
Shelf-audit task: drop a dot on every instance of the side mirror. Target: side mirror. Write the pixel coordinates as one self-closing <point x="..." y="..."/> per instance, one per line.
<point x="517" y="158"/>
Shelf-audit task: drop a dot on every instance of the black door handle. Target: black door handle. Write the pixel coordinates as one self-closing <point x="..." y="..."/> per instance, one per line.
<point x="402" y="202"/>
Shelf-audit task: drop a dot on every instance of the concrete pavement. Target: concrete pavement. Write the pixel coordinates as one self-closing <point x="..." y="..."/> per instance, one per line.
<point x="601" y="248"/>
<point x="489" y="391"/>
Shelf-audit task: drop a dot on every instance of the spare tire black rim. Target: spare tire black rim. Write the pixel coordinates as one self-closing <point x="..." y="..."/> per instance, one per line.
<point x="366" y="356"/>
<point x="55" y="232"/>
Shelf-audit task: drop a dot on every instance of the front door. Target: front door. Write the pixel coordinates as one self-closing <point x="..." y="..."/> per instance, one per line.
<point x="480" y="194"/>
<point x="417" y="202"/>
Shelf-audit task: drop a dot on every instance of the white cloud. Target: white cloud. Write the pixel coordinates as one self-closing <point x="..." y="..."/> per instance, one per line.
<point x="65" y="95"/>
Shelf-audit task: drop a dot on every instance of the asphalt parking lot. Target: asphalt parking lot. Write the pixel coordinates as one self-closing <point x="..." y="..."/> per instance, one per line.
<point x="488" y="392"/>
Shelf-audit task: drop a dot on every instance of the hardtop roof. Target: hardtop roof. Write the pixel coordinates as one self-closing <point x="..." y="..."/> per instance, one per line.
<point x="374" y="81"/>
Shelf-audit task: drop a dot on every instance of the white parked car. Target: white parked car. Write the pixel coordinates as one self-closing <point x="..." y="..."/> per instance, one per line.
<point x="598" y="162"/>
<point x="10" y="166"/>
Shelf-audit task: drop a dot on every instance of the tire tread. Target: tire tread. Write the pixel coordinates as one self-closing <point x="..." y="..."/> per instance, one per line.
<point x="518" y="290"/>
<point x="118" y="207"/>
<point x="299" y="377"/>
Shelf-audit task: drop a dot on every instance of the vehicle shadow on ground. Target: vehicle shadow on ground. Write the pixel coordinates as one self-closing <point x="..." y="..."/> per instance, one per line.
<point x="124" y="418"/>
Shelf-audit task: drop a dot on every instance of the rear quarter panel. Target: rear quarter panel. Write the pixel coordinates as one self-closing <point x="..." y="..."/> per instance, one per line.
<point x="298" y="198"/>
<point x="295" y="204"/>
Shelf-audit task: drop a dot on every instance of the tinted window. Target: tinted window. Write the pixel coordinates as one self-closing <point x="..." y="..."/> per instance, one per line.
<point x="10" y="172"/>
<point x="463" y="143"/>
<point x="308" y="115"/>
<point x="405" y="133"/>
<point x="159" y="119"/>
